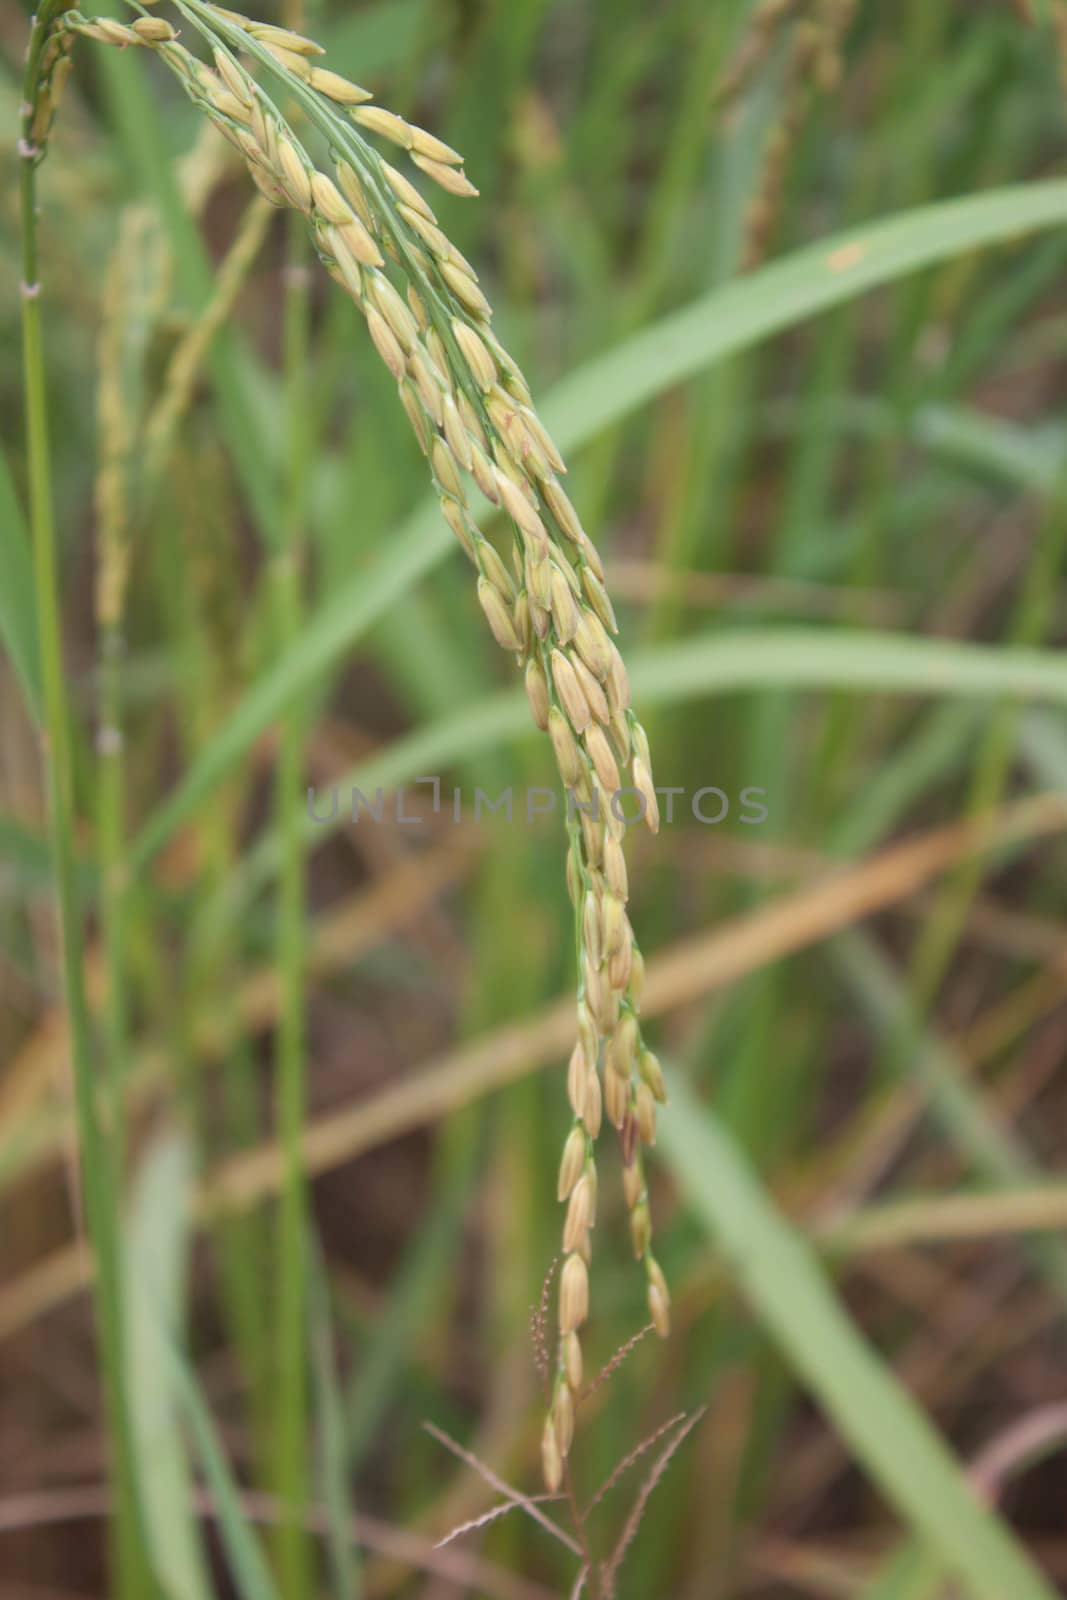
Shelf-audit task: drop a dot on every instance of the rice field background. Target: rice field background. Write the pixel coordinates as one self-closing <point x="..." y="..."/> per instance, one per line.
<point x="787" y="283"/>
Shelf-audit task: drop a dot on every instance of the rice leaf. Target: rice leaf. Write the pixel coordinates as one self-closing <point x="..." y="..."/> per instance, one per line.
<point x="18" y="626"/>
<point x="789" y="1292"/>
<point x="155" y="1286"/>
<point x="607" y="389"/>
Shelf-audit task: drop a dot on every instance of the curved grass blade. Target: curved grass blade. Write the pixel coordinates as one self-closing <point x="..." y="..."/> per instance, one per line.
<point x="156" y="1251"/>
<point x="334" y="1447"/>
<point x="604" y="391"/>
<point x="705" y="665"/>
<point x="18" y="627"/>
<point x="887" y="1432"/>
<point x="778" y="296"/>
<point x="996" y="1152"/>
<point x="248" y="1567"/>
<point x="802" y="658"/>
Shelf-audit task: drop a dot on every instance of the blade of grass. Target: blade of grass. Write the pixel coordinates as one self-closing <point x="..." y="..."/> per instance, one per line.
<point x="778" y="296"/>
<point x="691" y="970"/>
<point x="605" y="390"/>
<point x="247" y="1564"/>
<point x="157" y="1248"/>
<point x="912" y="1573"/>
<point x="997" y="1153"/>
<point x="1032" y="617"/>
<point x="131" y="1577"/>
<point x="889" y="1435"/>
<point x="18" y="626"/>
<point x="246" y="1005"/>
<point x="850" y="660"/>
<point x="977" y="1214"/>
<point x="333" y="1442"/>
<point x="706" y="665"/>
<point x="453" y="739"/>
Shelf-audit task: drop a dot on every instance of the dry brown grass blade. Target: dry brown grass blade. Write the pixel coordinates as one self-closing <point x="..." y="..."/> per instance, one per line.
<point x="27" y="1074"/>
<point x="942" y="1218"/>
<point x="846" y="896"/>
<point x="848" y="1167"/>
<point x="46" y="1285"/>
<point x="803" y="1567"/>
<point x="358" y="925"/>
<point x="1030" y="1437"/>
<point x="52" y="1507"/>
<point x="1021" y="1009"/>
<point x="338" y="938"/>
<point x="692" y="969"/>
<point x="40" y="1063"/>
<point x="449" y="1082"/>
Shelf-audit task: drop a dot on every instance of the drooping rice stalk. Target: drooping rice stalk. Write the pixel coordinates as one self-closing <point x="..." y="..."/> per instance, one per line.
<point x="292" y="1458"/>
<point x="473" y="417"/>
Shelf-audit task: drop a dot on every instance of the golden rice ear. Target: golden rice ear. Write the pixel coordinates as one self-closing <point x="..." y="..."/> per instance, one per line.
<point x="473" y="416"/>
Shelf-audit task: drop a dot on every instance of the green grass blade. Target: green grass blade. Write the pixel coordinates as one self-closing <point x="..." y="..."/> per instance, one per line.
<point x="847" y="659"/>
<point x="607" y="389"/>
<point x="247" y="1564"/>
<point x="993" y="1150"/>
<point x="1044" y="749"/>
<point x="1028" y="457"/>
<point x="755" y="658"/>
<point x="18" y="629"/>
<point x="778" y="296"/>
<point x="990" y="447"/>
<point x="156" y="1257"/>
<point x="888" y="1434"/>
<point x="333" y="1441"/>
<point x="910" y="1574"/>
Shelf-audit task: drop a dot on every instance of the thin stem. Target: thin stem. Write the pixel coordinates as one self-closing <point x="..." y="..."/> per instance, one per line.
<point x="99" y="1189"/>
<point x="592" y="1571"/>
<point x="111" y="568"/>
<point x="293" y="1460"/>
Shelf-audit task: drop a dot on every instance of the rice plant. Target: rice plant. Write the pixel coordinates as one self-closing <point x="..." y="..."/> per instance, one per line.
<point x="798" y="268"/>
